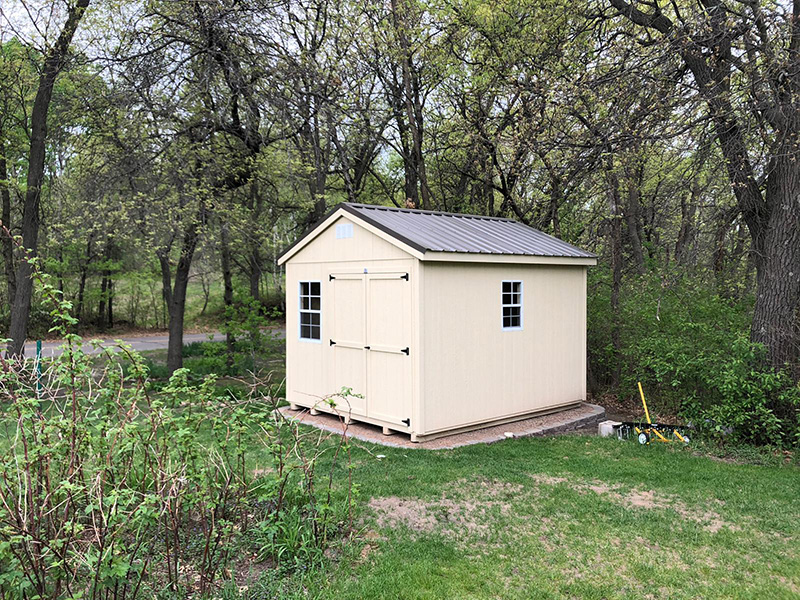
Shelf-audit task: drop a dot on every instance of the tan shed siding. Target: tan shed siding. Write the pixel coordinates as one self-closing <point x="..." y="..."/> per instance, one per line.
<point x="418" y="412"/>
<point x="311" y="369"/>
<point x="304" y="359"/>
<point x="363" y="245"/>
<point x="476" y="371"/>
<point x="585" y="354"/>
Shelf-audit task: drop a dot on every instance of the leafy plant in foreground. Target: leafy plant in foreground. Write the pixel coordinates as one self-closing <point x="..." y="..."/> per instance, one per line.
<point x="110" y="490"/>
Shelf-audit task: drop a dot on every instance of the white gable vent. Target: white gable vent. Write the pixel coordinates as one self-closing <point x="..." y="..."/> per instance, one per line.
<point x="344" y="231"/>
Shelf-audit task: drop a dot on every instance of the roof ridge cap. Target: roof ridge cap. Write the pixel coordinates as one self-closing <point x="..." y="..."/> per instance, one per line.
<point x="435" y="213"/>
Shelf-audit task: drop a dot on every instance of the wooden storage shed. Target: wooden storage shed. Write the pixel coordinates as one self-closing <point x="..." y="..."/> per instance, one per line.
<point x="437" y="322"/>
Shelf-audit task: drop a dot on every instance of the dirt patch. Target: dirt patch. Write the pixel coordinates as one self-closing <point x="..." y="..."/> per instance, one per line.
<point x="393" y="512"/>
<point x="453" y="517"/>
<point x="711" y="520"/>
<point x="491" y="489"/>
<point x="462" y="509"/>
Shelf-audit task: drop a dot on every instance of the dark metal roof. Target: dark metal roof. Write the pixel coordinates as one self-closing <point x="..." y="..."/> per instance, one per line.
<point x="433" y="231"/>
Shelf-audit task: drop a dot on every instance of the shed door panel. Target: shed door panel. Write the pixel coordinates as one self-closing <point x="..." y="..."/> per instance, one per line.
<point x="388" y="337"/>
<point x="348" y="333"/>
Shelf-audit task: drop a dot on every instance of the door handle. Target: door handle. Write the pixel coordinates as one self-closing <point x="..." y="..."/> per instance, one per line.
<point x="366" y="347"/>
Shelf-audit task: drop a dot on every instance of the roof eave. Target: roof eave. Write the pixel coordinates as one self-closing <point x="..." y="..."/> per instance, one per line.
<point x="528" y="259"/>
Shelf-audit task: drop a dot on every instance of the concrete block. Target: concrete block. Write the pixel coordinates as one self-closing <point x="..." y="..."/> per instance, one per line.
<point x="606" y="428"/>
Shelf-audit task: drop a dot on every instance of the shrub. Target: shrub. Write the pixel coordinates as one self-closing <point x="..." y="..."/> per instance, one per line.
<point x="689" y="347"/>
<point x="109" y="489"/>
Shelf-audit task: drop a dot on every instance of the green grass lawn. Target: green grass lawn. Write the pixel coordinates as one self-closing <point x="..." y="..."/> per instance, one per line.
<point x="573" y="516"/>
<point x="567" y="517"/>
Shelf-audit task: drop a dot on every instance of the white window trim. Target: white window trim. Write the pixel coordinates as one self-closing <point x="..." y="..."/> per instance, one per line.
<point x="301" y="310"/>
<point x="521" y="304"/>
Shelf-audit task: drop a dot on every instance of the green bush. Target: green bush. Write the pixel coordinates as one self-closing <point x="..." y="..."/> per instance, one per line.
<point x="730" y="395"/>
<point x="689" y="347"/>
<point x="111" y="489"/>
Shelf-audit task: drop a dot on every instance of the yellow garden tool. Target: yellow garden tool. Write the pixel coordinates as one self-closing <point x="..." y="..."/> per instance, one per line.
<point x="651" y="432"/>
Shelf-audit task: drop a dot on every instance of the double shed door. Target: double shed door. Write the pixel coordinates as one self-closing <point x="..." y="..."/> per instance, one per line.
<point x="371" y="335"/>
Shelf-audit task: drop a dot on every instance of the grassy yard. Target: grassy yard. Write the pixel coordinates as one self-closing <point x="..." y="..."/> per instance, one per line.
<point x="574" y="516"/>
<point x="567" y="517"/>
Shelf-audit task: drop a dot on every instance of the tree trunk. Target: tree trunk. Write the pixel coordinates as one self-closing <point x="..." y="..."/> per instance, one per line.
<point x="724" y="221"/>
<point x="777" y="254"/>
<point x="255" y="276"/>
<point x="556" y="193"/>
<point x="616" y="274"/>
<point x="632" y="221"/>
<point x="7" y="242"/>
<point x="81" y="290"/>
<point x="110" y="293"/>
<point x="227" y="282"/>
<point x="686" y="231"/>
<point x="176" y="303"/>
<point x="101" y="309"/>
<point x="255" y="204"/>
<point x="53" y="63"/>
<point x="413" y="105"/>
<point x="206" y="293"/>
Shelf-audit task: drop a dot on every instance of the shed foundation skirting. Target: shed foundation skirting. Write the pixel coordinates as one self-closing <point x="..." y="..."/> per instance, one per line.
<point x="501" y="421"/>
<point x="390" y="428"/>
<point x="584" y="416"/>
<point x="349" y="417"/>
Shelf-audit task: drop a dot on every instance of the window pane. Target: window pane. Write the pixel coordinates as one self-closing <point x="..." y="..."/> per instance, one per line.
<point x="517" y="298"/>
<point x="517" y="285"/>
<point x="506" y="287"/>
<point x="310" y="300"/>
<point x="507" y="298"/>
<point x="512" y="316"/>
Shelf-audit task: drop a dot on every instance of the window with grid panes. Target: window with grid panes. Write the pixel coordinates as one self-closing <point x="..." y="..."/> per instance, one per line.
<point x="310" y="310"/>
<point x="512" y="304"/>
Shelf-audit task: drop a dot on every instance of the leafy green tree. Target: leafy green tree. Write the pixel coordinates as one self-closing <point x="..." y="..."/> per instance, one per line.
<point x="54" y="59"/>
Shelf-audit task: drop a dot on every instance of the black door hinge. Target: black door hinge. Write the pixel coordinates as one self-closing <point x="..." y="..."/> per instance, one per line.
<point x="407" y="422"/>
<point x="331" y="277"/>
<point x="404" y="351"/>
<point x="404" y="276"/>
<point x="366" y="347"/>
<point x="332" y="343"/>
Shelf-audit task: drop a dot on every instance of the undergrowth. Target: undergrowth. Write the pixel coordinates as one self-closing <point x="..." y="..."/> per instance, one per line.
<point x="112" y="490"/>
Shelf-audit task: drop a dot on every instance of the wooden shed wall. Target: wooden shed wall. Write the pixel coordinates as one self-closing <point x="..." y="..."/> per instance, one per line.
<point x="474" y="371"/>
<point x="311" y="369"/>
